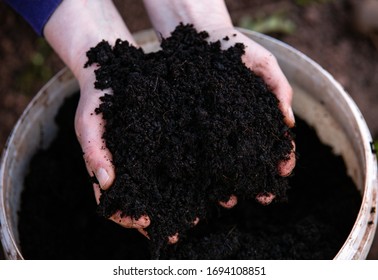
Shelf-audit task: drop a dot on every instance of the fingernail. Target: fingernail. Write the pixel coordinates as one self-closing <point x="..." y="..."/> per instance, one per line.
<point x="173" y="239"/>
<point x="265" y="198"/>
<point x="102" y="177"/>
<point x="230" y="203"/>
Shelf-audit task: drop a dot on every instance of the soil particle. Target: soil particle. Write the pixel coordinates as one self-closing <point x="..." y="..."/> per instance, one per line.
<point x="188" y="126"/>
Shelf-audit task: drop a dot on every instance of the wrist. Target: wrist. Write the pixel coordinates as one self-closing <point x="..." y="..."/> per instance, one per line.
<point x="72" y="32"/>
<point x="207" y="15"/>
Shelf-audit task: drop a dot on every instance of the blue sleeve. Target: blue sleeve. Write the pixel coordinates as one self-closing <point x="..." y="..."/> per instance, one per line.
<point x="36" y="12"/>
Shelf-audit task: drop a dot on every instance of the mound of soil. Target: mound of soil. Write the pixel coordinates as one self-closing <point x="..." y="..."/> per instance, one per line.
<point x="58" y="219"/>
<point x="188" y="126"/>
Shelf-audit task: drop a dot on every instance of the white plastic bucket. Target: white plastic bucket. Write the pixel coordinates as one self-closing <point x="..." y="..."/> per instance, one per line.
<point x="318" y="99"/>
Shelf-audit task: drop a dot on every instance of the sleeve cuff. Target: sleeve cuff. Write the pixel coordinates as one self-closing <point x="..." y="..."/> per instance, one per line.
<point x="35" y="12"/>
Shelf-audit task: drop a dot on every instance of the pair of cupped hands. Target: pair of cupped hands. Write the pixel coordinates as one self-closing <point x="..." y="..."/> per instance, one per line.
<point x="101" y="21"/>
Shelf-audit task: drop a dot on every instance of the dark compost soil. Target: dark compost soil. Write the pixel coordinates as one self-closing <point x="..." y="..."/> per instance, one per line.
<point x="188" y="126"/>
<point x="58" y="219"/>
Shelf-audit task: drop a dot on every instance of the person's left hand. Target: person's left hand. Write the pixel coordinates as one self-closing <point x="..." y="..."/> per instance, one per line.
<point x="264" y="64"/>
<point x="212" y="16"/>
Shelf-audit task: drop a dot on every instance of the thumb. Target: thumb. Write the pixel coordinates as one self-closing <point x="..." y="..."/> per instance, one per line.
<point x="89" y="130"/>
<point x="99" y="164"/>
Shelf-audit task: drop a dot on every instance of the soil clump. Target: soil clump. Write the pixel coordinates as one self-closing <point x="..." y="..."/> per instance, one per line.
<point x="188" y="126"/>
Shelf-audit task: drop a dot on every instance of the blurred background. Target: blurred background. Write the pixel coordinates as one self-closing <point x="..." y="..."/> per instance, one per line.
<point x="340" y="35"/>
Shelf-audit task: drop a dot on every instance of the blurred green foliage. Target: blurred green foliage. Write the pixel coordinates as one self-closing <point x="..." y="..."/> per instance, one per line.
<point x="36" y="72"/>
<point x="278" y="22"/>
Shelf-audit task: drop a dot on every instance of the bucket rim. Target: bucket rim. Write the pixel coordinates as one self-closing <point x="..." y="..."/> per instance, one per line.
<point x="6" y="235"/>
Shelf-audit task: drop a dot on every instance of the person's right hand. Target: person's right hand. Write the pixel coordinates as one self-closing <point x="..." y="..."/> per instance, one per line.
<point x="75" y="27"/>
<point x="89" y="128"/>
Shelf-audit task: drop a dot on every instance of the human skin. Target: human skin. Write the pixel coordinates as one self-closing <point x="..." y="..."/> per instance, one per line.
<point x="72" y="32"/>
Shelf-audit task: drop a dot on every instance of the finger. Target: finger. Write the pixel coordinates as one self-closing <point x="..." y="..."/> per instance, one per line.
<point x="124" y="221"/>
<point x="173" y="238"/>
<point x="284" y="94"/>
<point x="195" y="222"/>
<point x="279" y="85"/>
<point x="265" y="198"/>
<point x="128" y="222"/>
<point x="143" y="232"/>
<point x="229" y="203"/>
<point x="89" y="130"/>
<point x="97" y="192"/>
<point x="265" y="65"/>
<point x="285" y="168"/>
